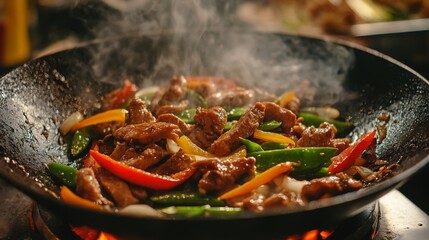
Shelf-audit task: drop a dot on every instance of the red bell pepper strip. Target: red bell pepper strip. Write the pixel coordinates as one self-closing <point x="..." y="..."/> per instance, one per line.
<point x="346" y="158"/>
<point x="139" y="177"/>
<point x="127" y="91"/>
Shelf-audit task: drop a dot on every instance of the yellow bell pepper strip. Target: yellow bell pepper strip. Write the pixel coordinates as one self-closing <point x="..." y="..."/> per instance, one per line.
<point x="311" y="159"/>
<point x="191" y="148"/>
<point x="239" y="153"/>
<point x="259" y="180"/>
<point x="346" y="158"/>
<point x="272" y="137"/>
<point x="116" y="115"/>
<point x="70" y="197"/>
<point x="139" y="177"/>
<point x="285" y="98"/>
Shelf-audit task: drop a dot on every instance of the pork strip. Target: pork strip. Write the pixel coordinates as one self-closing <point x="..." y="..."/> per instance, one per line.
<point x="88" y="187"/>
<point x="145" y="133"/>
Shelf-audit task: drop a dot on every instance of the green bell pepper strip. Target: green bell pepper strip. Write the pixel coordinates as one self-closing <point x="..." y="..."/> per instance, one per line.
<point x="187" y="199"/>
<point x="64" y="173"/>
<point x="312" y="119"/>
<point x="235" y="113"/>
<point x="187" y="115"/>
<point x="80" y="143"/>
<point x="269" y="126"/>
<point x="229" y="125"/>
<point x="273" y="145"/>
<point x="311" y="158"/>
<point x="251" y="146"/>
<point x="195" y="99"/>
<point x="201" y="211"/>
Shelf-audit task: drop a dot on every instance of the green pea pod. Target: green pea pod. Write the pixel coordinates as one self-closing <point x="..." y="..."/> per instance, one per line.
<point x="64" y="173"/>
<point x="311" y="158"/>
<point x="195" y="99"/>
<point x="80" y="143"/>
<point x="251" y="146"/>
<point x="269" y="126"/>
<point x="229" y="125"/>
<point x="235" y="113"/>
<point x="201" y="211"/>
<point x="187" y="199"/>
<point x="187" y="115"/>
<point x="312" y="119"/>
<point x="273" y="145"/>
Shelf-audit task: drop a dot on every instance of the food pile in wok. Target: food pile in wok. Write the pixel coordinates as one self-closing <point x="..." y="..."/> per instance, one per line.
<point x="204" y="146"/>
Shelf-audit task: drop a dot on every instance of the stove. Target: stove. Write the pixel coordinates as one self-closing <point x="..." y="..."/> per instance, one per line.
<point x="392" y="217"/>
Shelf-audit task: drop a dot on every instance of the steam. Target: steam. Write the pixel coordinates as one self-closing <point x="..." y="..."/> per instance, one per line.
<point x="195" y="47"/>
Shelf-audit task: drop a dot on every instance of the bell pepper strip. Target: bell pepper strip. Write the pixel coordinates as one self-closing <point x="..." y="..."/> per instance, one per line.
<point x="81" y="141"/>
<point x="235" y="113"/>
<point x="201" y="211"/>
<point x="186" y="199"/>
<point x="187" y="115"/>
<point x="70" y="197"/>
<point x="346" y="158"/>
<point x="251" y="146"/>
<point x="116" y="115"/>
<point x="259" y="180"/>
<point x="106" y="236"/>
<point x="123" y="94"/>
<point x="239" y="153"/>
<point x="139" y="177"/>
<point x="269" y="126"/>
<point x="195" y="99"/>
<point x="191" y="148"/>
<point x="310" y="158"/>
<point x="272" y="137"/>
<point x="285" y="98"/>
<point x="64" y="173"/>
<point x="273" y="145"/>
<point x="314" y="120"/>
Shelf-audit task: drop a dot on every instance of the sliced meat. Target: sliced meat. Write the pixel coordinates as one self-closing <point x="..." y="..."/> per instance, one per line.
<point x="106" y="145"/>
<point x="139" y="192"/>
<point x="172" y="95"/>
<point x="145" y="133"/>
<point x="178" y="162"/>
<point x="318" y="137"/>
<point x="88" y="187"/>
<point x="283" y="115"/>
<point x="150" y="156"/>
<point x="209" y="125"/>
<point x="294" y="105"/>
<point x="230" y="98"/>
<point x="203" y="88"/>
<point x="329" y="186"/>
<point x="173" y="119"/>
<point x="340" y="143"/>
<point x="138" y="113"/>
<point x="172" y="108"/>
<point x="286" y="199"/>
<point x="244" y="128"/>
<point x="118" y="189"/>
<point x="218" y="175"/>
<point x="119" y="151"/>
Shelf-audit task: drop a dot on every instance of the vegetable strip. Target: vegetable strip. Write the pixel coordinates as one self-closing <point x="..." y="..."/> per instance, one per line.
<point x="117" y="115"/>
<point x="68" y="196"/>
<point x="259" y="180"/>
<point x="272" y="137"/>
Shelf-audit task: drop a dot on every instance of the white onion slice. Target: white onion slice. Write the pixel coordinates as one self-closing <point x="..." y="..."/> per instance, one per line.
<point x="172" y="146"/>
<point x="289" y="184"/>
<point x="70" y="121"/>
<point x="140" y="210"/>
<point x="147" y="90"/>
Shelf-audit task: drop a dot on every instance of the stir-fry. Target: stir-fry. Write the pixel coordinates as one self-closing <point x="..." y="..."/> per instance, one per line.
<point x="203" y="146"/>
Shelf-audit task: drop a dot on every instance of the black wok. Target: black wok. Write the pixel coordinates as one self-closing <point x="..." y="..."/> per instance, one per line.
<point x="35" y="97"/>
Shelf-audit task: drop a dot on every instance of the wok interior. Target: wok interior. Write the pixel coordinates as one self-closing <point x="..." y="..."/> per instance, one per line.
<point x="36" y="97"/>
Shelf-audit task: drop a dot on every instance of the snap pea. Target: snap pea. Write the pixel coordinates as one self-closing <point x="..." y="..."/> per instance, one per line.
<point x="188" y="199"/>
<point x="80" y="143"/>
<point x="251" y="146"/>
<point x="310" y="158"/>
<point x="269" y="126"/>
<point x="200" y="211"/>
<point x="195" y="99"/>
<point x="187" y="115"/>
<point x="64" y="173"/>
<point x="229" y="125"/>
<point x="312" y="119"/>
<point x="273" y="145"/>
<point x="235" y="113"/>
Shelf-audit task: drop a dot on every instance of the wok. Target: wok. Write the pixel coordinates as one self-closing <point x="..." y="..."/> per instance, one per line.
<point x="361" y="83"/>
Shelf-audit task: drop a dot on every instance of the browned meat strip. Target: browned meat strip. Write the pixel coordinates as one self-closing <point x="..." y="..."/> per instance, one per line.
<point x="209" y="126"/>
<point x="287" y="199"/>
<point x="244" y="128"/>
<point x="173" y="119"/>
<point x="218" y="175"/>
<point x="88" y="187"/>
<point x="317" y="137"/>
<point x="176" y="108"/>
<point x="230" y="98"/>
<point x="116" y="188"/>
<point x="139" y="192"/>
<point x="150" y="156"/>
<point x="340" y="143"/>
<point x="329" y="186"/>
<point x="178" y="162"/>
<point x="119" y="151"/>
<point x="106" y="145"/>
<point x="277" y="113"/>
<point x="138" y="113"/>
<point x="204" y="88"/>
<point x="145" y="133"/>
<point x="171" y="96"/>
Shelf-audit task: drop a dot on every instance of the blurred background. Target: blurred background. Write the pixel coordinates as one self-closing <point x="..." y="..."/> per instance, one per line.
<point x="399" y="28"/>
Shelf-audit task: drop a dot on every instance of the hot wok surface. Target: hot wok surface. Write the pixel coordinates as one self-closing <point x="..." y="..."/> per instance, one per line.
<point x="37" y="96"/>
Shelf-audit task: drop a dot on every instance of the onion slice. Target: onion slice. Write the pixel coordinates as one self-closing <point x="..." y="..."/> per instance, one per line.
<point x="69" y="122"/>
